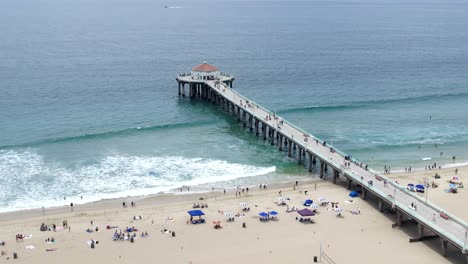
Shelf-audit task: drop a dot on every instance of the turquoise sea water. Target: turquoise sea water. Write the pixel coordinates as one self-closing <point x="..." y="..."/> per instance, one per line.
<point x="89" y="106"/>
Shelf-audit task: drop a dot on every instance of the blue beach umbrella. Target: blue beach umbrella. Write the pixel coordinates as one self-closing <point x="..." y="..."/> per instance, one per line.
<point x="263" y="214"/>
<point x="273" y="213"/>
<point x="410" y="185"/>
<point x="420" y="186"/>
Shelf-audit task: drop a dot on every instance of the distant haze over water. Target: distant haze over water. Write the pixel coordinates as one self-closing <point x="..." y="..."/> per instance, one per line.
<point x="89" y="105"/>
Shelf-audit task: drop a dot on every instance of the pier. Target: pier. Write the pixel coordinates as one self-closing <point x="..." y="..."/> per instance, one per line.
<point x="206" y="82"/>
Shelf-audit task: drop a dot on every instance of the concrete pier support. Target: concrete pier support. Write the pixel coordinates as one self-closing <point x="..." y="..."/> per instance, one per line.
<point x="299" y="155"/>
<point x="272" y="137"/>
<point x="335" y="175"/>
<point x="322" y="169"/>
<point x="399" y="217"/>
<point x="289" y="148"/>
<point x="264" y="131"/>
<point x="363" y="193"/>
<point x="280" y="142"/>
<point x="244" y="118"/>
<point x="380" y="204"/>
<point x="420" y="230"/>
<point x="310" y="162"/>
<point x="256" y="126"/>
<point x="443" y="247"/>
<point x="349" y="183"/>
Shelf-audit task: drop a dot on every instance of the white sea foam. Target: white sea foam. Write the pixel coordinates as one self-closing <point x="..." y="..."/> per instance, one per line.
<point x="453" y="165"/>
<point x="30" y="181"/>
<point x="426" y="158"/>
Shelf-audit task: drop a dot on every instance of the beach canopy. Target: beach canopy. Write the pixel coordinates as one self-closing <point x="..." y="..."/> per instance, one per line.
<point x="305" y="212"/>
<point x="353" y="194"/>
<point x="308" y="202"/>
<point x="274" y="213"/>
<point x="419" y="186"/>
<point x="263" y="214"/>
<point x="196" y="213"/>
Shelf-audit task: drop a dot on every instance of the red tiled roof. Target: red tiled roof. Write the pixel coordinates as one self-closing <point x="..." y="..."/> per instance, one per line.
<point x="205" y="67"/>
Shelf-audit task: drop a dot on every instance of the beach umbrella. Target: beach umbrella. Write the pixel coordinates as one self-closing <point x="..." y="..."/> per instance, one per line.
<point x="314" y="206"/>
<point x="273" y="213"/>
<point x="452" y="186"/>
<point x="244" y="204"/>
<point x="216" y="222"/>
<point x="410" y="185"/>
<point x="282" y="199"/>
<point x="263" y="214"/>
<point x="420" y="186"/>
<point x="321" y="199"/>
<point x="338" y="210"/>
<point x="455" y="178"/>
<point x="228" y="214"/>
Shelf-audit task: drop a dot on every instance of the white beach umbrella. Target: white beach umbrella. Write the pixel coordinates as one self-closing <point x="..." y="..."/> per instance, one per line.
<point x="282" y="199"/>
<point x="321" y="199"/>
<point x="314" y="206"/>
<point x="228" y="214"/>
<point x="244" y="204"/>
<point x="338" y="210"/>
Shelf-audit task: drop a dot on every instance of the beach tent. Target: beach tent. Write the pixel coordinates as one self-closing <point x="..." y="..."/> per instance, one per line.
<point x="305" y="212"/>
<point x="353" y="194"/>
<point x="308" y="202"/>
<point x="196" y="213"/>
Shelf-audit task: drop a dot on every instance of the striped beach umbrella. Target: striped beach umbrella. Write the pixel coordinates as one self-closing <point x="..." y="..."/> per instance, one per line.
<point x="244" y="204"/>
<point x="338" y="210"/>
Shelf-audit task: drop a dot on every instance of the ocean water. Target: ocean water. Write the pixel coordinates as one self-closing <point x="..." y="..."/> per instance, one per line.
<point x="89" y="105"/>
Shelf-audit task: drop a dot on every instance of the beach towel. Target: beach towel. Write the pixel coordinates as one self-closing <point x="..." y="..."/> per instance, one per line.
<point x="30" y="247"/>
<point x="349" y="201"/>
<point x="354" y="212"/>
<point x="27" y="236"/>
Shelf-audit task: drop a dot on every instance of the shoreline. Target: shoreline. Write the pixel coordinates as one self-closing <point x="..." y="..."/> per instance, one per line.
<point x="145" y="200"/>
<point x="312" y="177"/>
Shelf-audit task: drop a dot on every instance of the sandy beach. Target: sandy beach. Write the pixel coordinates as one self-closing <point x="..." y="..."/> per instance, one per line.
<point x="352" y="238"/>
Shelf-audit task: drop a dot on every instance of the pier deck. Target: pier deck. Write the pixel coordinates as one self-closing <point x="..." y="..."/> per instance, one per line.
<point x="452" y="229"/>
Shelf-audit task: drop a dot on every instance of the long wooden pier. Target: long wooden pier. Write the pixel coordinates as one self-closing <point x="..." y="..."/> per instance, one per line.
<point x="330" y="162"/>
